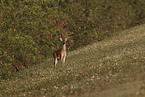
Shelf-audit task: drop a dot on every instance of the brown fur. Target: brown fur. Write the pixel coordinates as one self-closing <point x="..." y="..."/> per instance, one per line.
<point x="60" y="54"/>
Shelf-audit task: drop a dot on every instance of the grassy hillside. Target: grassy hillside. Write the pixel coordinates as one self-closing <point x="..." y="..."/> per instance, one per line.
<point x="114" y="67"/>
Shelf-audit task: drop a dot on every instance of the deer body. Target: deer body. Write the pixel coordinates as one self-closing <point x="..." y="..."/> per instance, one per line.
<point x="60" y="54"/>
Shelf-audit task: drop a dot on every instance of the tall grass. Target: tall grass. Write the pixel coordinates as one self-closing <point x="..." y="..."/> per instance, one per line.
<point x="114" y="67"/>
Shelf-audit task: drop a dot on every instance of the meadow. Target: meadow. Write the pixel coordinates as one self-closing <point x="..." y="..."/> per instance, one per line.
<point x="114" y="67"/>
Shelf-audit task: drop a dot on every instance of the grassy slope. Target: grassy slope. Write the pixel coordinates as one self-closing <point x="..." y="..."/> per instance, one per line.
<point x="114" y="67"/>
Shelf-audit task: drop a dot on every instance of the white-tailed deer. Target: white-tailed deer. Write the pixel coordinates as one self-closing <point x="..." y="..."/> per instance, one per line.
<point x="60" y="54"/>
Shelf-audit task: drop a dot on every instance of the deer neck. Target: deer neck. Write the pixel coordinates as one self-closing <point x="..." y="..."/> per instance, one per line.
<point x="64" y="47"/>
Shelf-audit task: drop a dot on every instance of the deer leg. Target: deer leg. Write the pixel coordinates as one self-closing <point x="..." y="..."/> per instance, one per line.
<point x="55" y="63"/>
<point x="63" y="61"/>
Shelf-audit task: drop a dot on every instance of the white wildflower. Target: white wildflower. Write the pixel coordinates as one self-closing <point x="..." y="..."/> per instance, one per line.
<point x="55" y="87"/>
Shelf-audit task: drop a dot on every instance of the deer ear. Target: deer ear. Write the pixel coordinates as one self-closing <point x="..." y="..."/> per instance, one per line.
<point x="61" y="39"/>
<point x="65" y="39"/>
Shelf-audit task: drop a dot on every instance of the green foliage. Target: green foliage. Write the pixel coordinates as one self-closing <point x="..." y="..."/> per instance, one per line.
<point x="30" y="29"/>
<point x="5" y="64"/>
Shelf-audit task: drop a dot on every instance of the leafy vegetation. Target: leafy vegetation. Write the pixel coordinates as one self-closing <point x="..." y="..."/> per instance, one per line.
<point x="30" y="29"/>
<point x="113" y="67"/>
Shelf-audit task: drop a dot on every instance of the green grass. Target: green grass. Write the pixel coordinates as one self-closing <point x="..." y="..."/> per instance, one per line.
<point x="114" y="67"/>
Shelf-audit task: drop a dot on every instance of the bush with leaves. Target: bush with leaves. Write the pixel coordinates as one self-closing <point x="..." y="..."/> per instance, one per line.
<point x="5" y="64"/>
